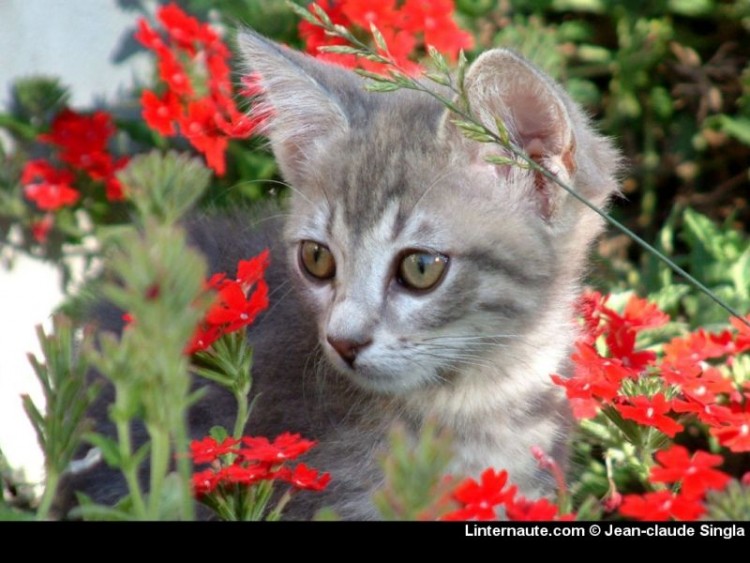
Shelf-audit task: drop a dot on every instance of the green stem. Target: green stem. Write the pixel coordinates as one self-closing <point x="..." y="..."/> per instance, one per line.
<point x="185" y="470"/>
<point x="275" y="514"/>
<point x="159" y="468"/>
<point x="243" y="413"/>
<point x="23" y="130"/>
<point x="50" y="490"/>
<point x="130" y="469"/>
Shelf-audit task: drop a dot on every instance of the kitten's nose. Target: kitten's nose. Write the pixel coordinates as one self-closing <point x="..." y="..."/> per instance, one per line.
<point x="348" y="349"/>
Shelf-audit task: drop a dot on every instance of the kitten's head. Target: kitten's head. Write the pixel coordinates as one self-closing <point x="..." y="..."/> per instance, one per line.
<point x="419" y="259"/>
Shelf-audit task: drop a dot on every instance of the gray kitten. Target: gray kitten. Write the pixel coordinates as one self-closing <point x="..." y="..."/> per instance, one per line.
<point x="413" y="280"/>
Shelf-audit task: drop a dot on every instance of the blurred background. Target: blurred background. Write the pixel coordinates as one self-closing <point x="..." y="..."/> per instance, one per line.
<point x="88" y="45"/>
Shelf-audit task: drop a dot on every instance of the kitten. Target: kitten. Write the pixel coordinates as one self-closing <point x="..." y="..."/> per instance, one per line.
<point x="412" y="280"/>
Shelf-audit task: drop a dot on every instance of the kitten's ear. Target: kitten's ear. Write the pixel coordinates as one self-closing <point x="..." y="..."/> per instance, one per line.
<point x="303" y="98"/>
<point x="502" y="85"/>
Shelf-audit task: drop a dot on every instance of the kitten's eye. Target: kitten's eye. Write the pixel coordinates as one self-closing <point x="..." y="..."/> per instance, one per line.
<point x="421" y="270"/>
<point x="317" y="260"/>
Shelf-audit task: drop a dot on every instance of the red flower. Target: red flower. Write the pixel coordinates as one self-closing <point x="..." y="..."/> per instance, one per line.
<point x="50" y="196"/>
<point x="584" y="409"/>
<point x="480" y="500"/>
<point x="621" y="344"/>
<point x="285" y="447"/>
<point x="661" y="506"/>
<point x="204" y="482"/>
<point x="234" y="309"/>
<point x="251" y="271"/>
<point x="742" y="341"/>
<point x="173" y="73"/>
<point x="696" y="473"/>
<point x="41" y="228"/>
<point x="82" y="138"/>
<point x="161" y="114"/>
<point x="434" y="19"/>
<point x="711" y="414"/>
<point x="594" y="378"/>
<point x="202" y="339"/>
<point x="113" y="189"/>
<point x="693" y="349"/>
<point x="735" y="436"/>
<point x="591" y="307"/>
<point x="315" y="36"/>
<point x="698" y="381"/>
<point x="525" y="510"/>
<point x="148" y="37"/>
<point x="47" y="186"/>
<point x="304" y="478"/>
<point x="40" y="169"/>
<point x="365" y="12"/>
<point x="243" y="475"/>
<point x="208" y="449"/>
<point x="183" y="29"/>
<point x="640" y="313"/>
<point x="650" y="411"/>
<point x="235" y="124"/>
<point x="199" y="127"/>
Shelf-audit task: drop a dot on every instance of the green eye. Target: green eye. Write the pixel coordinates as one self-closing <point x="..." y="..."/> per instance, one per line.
<point x="421" y="270"/>
<point x="317" y="260"/>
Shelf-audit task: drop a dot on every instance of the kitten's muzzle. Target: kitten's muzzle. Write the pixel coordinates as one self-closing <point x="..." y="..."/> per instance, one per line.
<point x="348" y="349"/>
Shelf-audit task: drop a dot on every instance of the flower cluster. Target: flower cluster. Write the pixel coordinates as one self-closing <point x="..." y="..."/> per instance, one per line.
<point x="483" y="499"/>
<point x="695" y="474"/>
<point x="82" y="149"/>
<point x="689" y="382"/>
<point x="196" y="91"/>
<point x="654" y="391"/>
<point x="235" y="466"/>
<point x="239" y="301"/>
<point x="406" y="27"/>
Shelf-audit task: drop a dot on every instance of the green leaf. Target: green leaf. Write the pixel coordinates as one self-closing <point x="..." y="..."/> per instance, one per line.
<point x="374" y="76"/>
<point x="170" y="498"/>
<point x="501" y="160"/>
<point x="463" y="64"/>
<point x="382" y="87"/>
<point x="164" y="186"/>
<point x="302" y="13"/>
<point x="473" y="131"/>
<point x="88" y="510"/>
<point x="110" y="448"/>
<point x="218" y="433"/>
<point x="438" y="60"/>
<point x="731" y="504"/>
<point x="341" y="50"/>
<point x="740" y="274"/>
<point x="323" y="18"/>
<point x="438" y="78"/>
<point x="737" y="127"/>
<point x="502" y="132"/>
<point x="379" y="39"/>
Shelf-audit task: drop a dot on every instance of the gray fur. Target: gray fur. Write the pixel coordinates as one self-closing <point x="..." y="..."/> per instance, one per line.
<point x="373" y="175"/>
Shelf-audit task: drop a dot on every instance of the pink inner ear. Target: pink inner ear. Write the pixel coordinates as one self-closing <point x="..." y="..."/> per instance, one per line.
<point x="534" y="148"/>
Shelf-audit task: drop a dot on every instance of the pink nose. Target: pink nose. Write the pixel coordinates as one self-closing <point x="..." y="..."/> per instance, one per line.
<point x="348" y="349"/>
